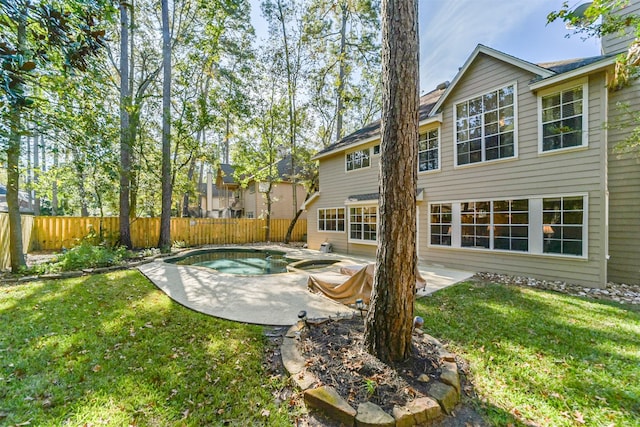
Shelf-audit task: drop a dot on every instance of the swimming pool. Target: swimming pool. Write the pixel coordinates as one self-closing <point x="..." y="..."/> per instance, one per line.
<point x="237" y="260"/>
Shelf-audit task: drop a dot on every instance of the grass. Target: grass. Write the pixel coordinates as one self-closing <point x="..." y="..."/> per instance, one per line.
<point x="542" y="358"/>
<point x="113" y="350"/>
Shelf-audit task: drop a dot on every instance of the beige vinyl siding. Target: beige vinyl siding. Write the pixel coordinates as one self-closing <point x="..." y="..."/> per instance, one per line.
<point x="527" y="175"/>
<point x="613" y="43"/>
<point x="336" y="185"/>
<point x="624" y="194"/>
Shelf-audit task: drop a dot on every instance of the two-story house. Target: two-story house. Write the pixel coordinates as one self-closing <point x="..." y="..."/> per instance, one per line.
<point x="226" y="197"/>
<point x="518" y="173"/>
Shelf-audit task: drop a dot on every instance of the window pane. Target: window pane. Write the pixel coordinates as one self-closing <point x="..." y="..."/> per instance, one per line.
<point x="520" y="205"/>
<point x="551" y="100"/>
<point x="572" y="248"/>
<point x="505" y="96"/>
<point x="475" y="106"/>
<point x="490" y="101"/>
<point x="461" y="110"/>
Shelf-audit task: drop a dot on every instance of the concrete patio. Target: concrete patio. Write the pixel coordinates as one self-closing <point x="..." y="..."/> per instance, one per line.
<point x="269" y="299"/>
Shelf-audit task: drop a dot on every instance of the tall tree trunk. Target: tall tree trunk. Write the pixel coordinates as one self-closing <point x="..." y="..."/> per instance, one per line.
<point x="389" y="321"/>
<point x="125" y="140"/>
<point x="29" y="184"/>
<point x="134" y="176"/>
<point x="341" y="71"/>
<point x="190" y="172"/>
<point x="81" y="178"/>
<point x="13" y="162"/>
<point x="54" y="183"/>
<point x="36" y="174"/>
<point x="291" y="92"/>
<point x="165" y="216"/>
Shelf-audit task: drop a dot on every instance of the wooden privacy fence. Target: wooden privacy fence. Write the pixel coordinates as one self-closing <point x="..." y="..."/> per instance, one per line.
<point x="27" y="227"/>
<point x="54" y="233"/>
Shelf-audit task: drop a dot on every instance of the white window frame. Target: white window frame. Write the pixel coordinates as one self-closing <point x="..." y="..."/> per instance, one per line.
<point x="373" y="150"/>
<point x="337" y="221"/>
<point x="484" y="161"/>
<point x="584" y="225"/>
<point x="440" y="224"/>
<point x="346" y="159"/>
<point x="439" y="149"/>
<point x="536" y="238"/>
<point x="584" y="82"/>
<point x="363" y="205"/>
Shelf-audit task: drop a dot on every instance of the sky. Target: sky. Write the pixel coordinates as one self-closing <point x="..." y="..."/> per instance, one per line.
<point x="451" y="29"/>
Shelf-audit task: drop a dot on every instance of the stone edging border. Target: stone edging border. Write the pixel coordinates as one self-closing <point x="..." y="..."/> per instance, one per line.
<point x="444" y="394"/>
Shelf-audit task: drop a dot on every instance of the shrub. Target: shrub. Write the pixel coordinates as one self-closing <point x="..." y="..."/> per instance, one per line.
<point x="85" y="255"/>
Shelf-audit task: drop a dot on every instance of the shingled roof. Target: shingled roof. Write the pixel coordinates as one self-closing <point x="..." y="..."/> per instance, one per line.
<point x="430" y="100"/>
<point x="427" y="101"/>
<point x="567" y="65"/>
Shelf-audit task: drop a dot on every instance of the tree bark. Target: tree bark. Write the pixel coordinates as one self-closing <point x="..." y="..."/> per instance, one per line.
<point x="36" y="174"/>
<point x="13" y="201"/>
<point x="125" y="139"/>
<point x="13" y="161"/>
<point x="54" y="183"/>
<point x="165" y="217"/>
<point x="341" y="72"/>
<point x="190" y="172"/>
<point x="389" y="320"/>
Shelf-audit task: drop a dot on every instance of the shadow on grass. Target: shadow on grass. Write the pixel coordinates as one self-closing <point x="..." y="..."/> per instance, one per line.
<point x="113" y="349"/>
<point x="542" y="357"/>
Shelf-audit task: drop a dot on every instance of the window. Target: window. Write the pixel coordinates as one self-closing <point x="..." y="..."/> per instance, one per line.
<point x="441" y="224"/>
<point x="252" y="188"/>
<point x="376" y="149"/>
<point x="508" y="225"/>
<point x="475" y="218"/>
<point x="485" y="127"/>
<point x="562" y="225"/>
<point x="358" y="160"/>
<point x="562" y="119"/>
<point x="428" y="151"/>
<point x="511" y="225"/>
<point x="363" y="223"/>
<point x="331" y="219"/>
<point x="250" y="215"/>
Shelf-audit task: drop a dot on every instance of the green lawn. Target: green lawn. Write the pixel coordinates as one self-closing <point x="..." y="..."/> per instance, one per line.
<point x="542" y="358"/>
<point x="113" y="350"/>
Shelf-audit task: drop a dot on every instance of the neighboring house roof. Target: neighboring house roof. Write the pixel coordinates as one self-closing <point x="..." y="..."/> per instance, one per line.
<point x="227" y="173"/>
<point x="283" y="168"/>
<point x="547" y="74"/>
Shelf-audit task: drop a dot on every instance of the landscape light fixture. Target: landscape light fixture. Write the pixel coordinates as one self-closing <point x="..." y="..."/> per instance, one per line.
<point x="418" y="322"/>
<point x="302" y="315"/>
<point x="360" y="306"/>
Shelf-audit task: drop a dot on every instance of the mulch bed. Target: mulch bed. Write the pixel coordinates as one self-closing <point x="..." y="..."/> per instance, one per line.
<point x="335" y="354"/>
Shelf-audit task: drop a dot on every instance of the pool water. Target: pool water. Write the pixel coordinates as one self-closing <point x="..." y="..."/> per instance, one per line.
<point x="239" y="261"/>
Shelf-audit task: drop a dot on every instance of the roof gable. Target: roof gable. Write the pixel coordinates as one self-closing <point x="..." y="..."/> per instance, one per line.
<point x="501" y="56"/>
